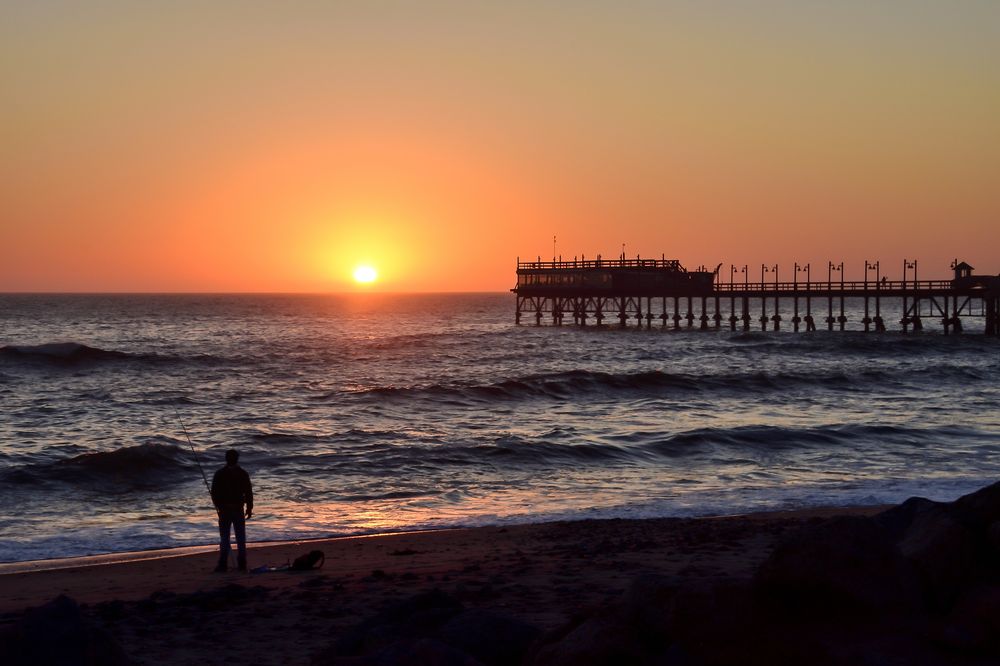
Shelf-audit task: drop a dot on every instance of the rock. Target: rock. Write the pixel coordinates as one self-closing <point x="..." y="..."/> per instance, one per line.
<point x="897" y="520"/>
<point x="605" y="638"/>
<point x="944" y="552"/>
<point x="721" y="623"/>
<point x="980" y="509"/>
<point x="626" y="630"/>
<point x="494" y="639"/>
<point x="411" y="618"/>
<point x="421" y="652"/>
<point x="656" y="621"/>
<point x="647" y="604"/>
<point x="993" y="536"/>
<point x="843" y="565"/>
<point x="58" y="634"/>
<point x="433" y="628"/>
<point x="974" y="623"/>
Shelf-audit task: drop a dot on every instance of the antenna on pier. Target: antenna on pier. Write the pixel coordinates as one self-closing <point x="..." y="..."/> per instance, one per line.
<point x="553" y="248"/>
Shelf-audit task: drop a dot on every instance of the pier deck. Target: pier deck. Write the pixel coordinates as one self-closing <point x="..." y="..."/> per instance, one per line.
<point x="648" y="290"/>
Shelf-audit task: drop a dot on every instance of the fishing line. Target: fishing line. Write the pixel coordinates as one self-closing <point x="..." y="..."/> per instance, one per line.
<point x="193" y="450"/>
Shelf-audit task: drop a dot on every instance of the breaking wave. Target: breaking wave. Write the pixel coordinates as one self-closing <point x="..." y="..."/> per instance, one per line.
<point x="577" y="383"/>
<point x="75" y="353"/>
<point x="129" y="467"/>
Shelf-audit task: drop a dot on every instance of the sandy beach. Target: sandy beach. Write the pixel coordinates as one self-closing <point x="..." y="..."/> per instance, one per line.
<point x="174" y="610"/>
<point x="914" y="583"/>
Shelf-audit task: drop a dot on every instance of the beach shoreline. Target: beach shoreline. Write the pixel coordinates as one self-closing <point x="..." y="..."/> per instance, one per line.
<point x="542" y="573"/>
<point x="121" y="557"/>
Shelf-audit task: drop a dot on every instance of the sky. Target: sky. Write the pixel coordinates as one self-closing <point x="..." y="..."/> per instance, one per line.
<point x="275" y="147"/>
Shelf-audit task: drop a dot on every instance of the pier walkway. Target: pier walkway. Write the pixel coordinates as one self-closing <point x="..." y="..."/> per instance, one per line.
<point x="661" y="290"/>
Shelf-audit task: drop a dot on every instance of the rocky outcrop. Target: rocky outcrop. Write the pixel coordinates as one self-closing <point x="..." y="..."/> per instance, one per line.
<point x="917" y="584"/>
<point x="433" y="629"/>
<point x="58" y="634"/>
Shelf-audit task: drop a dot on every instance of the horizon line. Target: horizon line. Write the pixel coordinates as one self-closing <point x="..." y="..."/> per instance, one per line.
<point x="247" y="293"/>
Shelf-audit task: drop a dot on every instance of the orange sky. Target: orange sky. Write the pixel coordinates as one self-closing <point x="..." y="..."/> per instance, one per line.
<point x="275" y="146"/>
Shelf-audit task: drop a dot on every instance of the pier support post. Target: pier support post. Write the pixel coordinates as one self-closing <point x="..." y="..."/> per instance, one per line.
<point x="915" y="320"/>
<point x="993" y="315"/>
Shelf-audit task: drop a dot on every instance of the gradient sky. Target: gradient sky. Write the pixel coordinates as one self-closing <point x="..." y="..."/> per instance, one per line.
<point x="171" y="146"/>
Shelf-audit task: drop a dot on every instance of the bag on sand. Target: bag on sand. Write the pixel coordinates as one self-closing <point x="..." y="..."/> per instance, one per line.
<point x="314" y="559"/>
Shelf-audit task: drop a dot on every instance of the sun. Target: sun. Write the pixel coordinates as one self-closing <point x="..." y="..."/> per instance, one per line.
<point x="365" y="274"/>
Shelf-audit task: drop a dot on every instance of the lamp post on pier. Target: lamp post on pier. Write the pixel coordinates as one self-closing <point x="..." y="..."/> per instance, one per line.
<point x="776" y="318"/>
<point x="830" y="270"/>
<point x="906" y="320"/>
<point x="763" y="301"/>
<point x="867" y="321"/>
<point x="732" y="297"/>
<point x="795" y="287"/>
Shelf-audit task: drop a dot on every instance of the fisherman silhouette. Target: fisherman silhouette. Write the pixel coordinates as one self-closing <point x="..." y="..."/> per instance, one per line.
<point x="231" y="489"/>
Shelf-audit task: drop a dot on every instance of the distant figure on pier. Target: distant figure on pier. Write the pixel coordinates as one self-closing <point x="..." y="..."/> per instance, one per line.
<point x="231" y="491"/>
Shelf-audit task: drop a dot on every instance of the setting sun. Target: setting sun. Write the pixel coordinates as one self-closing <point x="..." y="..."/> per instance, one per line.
<point x="365" y="274"/>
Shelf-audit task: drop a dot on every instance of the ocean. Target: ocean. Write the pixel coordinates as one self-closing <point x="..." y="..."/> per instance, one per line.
<point x="370" y="413"/>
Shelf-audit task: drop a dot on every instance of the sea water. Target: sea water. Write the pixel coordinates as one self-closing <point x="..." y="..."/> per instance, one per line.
<point x="368" y="413"/>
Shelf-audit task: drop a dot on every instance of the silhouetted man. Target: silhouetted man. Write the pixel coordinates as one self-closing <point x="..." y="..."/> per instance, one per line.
<point x="231" y="490"/>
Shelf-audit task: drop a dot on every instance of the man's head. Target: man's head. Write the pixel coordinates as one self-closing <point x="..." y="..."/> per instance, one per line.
<point x="232" y="456"/>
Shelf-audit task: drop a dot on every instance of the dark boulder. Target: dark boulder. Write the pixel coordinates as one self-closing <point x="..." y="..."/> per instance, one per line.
<point x="626" y="630"/>
<point x="945" y="553"/>
<point x="58" y="634"/>
<point x="980" y="509"/>
<point x="974" y="623"/>
<point x="432" y="628"/>
<point x="656" y="621"/>
<point x="492" y="638"/>
<point x="897" y="520"/>
<point x="845" y="565"/>
<point x="604" y="638"/>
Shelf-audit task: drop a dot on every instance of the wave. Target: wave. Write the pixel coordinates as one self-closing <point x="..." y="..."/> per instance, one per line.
<point x="126" y="468"/>
<point x="61" y="352"/>
<point x="562" y="447"/>
<point x="75" y="353"/>
<point x="892" y="344"/>
<point x="579" y="383"/>
<point x="777" y="438"/>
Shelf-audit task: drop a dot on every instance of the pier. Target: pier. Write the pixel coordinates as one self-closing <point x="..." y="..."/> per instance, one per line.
<point x="644" y="291"/>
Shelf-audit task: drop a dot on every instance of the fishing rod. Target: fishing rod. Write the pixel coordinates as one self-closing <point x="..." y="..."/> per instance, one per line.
<point x="193" y="450"/>
<point x="204" y="478"/>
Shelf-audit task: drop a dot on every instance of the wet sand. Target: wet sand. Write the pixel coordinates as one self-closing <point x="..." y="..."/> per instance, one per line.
<point x="168" y="607"/>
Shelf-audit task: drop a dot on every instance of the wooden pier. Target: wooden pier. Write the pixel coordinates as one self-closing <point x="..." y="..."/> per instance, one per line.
<point x="661" y="290"/>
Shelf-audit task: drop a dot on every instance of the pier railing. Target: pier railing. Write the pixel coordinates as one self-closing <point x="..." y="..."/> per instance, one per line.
<point x="673" y="264"/>
<point x="836" y="285"/>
